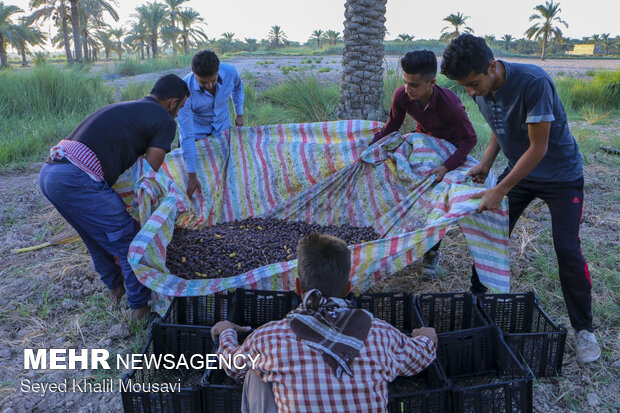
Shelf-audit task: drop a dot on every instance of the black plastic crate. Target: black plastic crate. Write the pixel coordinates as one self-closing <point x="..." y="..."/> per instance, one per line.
<point x="426" y="392"/>
<point x="185" y="399"/>
<point x="220" y="393"/>
<point x="186" y="326"/>
<point x="257" y="307"/>
<point x="395" y="308"/>
<point x="527" y="329"/>
<point x="448" y="312"/>
<point x="485" y="374"/>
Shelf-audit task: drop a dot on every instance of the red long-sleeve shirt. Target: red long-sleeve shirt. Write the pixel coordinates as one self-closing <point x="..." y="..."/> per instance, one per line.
<point x="443" y="117"/>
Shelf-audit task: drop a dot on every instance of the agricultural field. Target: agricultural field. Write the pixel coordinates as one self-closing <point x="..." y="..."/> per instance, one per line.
<point x="53" y="298"/>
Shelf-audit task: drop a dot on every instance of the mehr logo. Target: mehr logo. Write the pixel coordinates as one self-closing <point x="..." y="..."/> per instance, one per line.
<point x="63" y="359"/>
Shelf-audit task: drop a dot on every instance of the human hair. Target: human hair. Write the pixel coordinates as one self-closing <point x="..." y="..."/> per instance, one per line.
<point x="205" y="63"/>
<point x="464" y="55"/>
<point x="324" y="263"/>
<point x="170" y="86"/>
<point x="420" y="62"/>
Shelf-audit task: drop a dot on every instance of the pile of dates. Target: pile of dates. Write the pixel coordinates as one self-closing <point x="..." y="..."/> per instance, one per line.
<point x="233" y="248"/>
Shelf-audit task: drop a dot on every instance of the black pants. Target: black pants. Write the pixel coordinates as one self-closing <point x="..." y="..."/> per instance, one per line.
<point x="565" y="202"/>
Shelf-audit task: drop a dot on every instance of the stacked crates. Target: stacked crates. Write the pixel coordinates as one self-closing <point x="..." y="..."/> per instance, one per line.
<point x="488" y="351"/>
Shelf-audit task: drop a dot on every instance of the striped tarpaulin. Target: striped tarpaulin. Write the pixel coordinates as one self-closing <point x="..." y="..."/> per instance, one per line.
<point x="324" y="173"/>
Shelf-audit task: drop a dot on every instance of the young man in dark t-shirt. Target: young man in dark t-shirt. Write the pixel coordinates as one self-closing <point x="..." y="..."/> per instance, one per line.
<point x="78" y="177"/>
<point x="438" y="112"/>
<point x="521" y="105"/>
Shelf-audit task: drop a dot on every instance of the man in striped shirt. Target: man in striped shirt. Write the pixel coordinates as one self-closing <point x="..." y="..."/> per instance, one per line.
<point x="78" y="177"/>
<point x="325" y="356"/>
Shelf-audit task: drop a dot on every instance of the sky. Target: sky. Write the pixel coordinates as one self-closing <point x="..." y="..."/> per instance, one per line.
<point x="422" y="19"/>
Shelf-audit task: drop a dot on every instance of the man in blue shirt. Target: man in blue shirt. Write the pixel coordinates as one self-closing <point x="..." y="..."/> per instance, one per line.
<point x="528" y="122"/>
<point x="206" y="112"/>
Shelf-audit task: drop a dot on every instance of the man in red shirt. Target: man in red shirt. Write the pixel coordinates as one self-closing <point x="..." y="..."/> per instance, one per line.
<point x="438" y="112"/>
<point x="325" y="356"/>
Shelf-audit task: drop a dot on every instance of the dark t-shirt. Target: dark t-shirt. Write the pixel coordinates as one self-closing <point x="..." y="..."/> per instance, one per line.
<point x="120" y="133"/>
<point x="444" y="117"/>
<point x="528" y="95"/>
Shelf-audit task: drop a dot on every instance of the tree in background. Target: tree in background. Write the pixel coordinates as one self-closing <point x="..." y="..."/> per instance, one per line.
<point x="105" y="40"/>
<point x="456" y="20"/>
<point x="8" y="30"/>
<point x="403" y="37"/>
<point x="190" y="28"/>
<point x="332" y="36"/>
<point x="507" y="39"/>
<point x="57" y="11"/>
<point x="607" y="42"/>
<point x="152" y="15"/>
<point x="545" y="28"/>
<point x="25" y="35"/>
<point x="276" y="36"/>
<point x="318" y="35"/>
<point x="116" y="35"/>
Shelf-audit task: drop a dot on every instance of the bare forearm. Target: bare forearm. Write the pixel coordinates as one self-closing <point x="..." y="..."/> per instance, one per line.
<point x="526" y="163"/>
<point x="491" y="151"/>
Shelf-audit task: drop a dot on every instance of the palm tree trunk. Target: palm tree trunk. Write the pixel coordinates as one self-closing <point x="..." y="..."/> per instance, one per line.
<point x="154" y="47"/>
<point x="65" y="32"/>
<point x="85" y="45"/>
<point x="75" y="22"/>
<point x="544" y="47"/>
<point x="23" y="53"/>
<point x="185" y="44"/>
<point x="361" y="90"/>
<point x="3" y="57"/>
<point x="142" y="50"/>
<point x="148" y="51"/>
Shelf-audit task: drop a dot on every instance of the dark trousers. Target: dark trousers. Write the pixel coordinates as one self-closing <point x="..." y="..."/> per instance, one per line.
<point x="100" y="217"/>
<point x="565" y="202"/>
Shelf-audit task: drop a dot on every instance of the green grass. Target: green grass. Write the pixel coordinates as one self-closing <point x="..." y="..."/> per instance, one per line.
<point x="40" y="107"/>
<point x="133" y="66"/>
<point x="602" y="92"/>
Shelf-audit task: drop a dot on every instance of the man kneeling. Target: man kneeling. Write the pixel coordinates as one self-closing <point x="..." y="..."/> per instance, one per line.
<point x="324" y="356"/>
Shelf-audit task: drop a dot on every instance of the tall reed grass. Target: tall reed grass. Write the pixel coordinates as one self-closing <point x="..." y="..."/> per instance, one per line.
<point x="42" y="106"/>
<point x="133" y="66"/>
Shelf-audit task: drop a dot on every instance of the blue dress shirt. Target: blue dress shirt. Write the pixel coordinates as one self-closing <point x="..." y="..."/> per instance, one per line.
<point x="204" y="114"/>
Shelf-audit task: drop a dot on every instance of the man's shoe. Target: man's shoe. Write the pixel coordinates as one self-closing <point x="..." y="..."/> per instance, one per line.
<point x="587" y="349"/>
<point x="116" y="294"/>
<point x="430" y="267"/>
<point x="138" y="315"/>
<point x="478" y="290"/>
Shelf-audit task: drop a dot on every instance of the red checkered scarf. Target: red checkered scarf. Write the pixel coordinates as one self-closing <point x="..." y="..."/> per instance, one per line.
<point x="333" y="327"/>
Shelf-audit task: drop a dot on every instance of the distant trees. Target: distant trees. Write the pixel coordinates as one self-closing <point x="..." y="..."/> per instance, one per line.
<point x="507" y="38"/>
<point x="332" y="36"/>
<point x="318" y="35"/>
<point x="545" y="28"/>
<point x="457" y="21"/>
<point x="403" y="37"/>
<point x="276" y="36"/>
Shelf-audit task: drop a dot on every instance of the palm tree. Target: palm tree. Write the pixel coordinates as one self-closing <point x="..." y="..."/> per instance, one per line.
<point x="105" y="40"/>
<point x="138" y="38"/>
<point x="81" y="8"/>
<point x="456" y="20"/>
<point x="252" y="43"/>
<point x="332" y="36"/>
<point x="276" y="36"/>
<point x="117" y="34"/>
<point x="318" y="35"/>
<point x="507" y="39"/>
<point x="228" y="36"/>
<point x="190" y="27"/>
<point x="607" y="41"/>
<point x="8" y="30"/>
<point x="170" y="33"/>
<point x="152" y="15"/>
<point x="361" y="88"/>
<point x="547" y="14"/>
<point x="56" y="10"/>
<point x="26" y="35"/>
<point x="403" y="37"/>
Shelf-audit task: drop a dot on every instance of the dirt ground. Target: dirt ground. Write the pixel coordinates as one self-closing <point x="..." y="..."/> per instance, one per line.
<point x="53" y="298"/>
